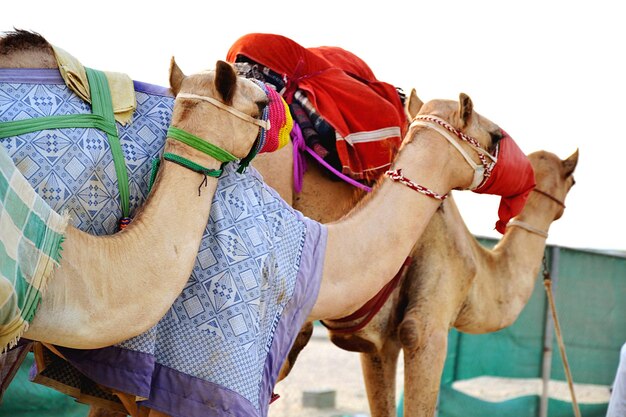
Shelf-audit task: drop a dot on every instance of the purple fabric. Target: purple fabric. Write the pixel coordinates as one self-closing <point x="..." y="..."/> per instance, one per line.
<point x="298" y="308"/>
<point x="299" y="163"/>
<point x="53" y="76"/>
<point x="182" y="395"/>
<point x="337" y="173"/>
<point x="31" y="76"/>
<point x="152" y="89"/>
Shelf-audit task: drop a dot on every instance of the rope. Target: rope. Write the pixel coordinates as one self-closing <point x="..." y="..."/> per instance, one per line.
<point x="527" y="227"/>
<point x="556" y="200"/>
<point x="482" y="154"/>
<point x="547" y="282"/>
<point x="21" y="127"/>
<point x="398" y="177"/>
<point x="186" y="163"/>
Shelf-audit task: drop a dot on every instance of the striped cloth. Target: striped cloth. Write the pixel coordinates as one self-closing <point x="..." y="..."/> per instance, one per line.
<point x="30" y="243"/>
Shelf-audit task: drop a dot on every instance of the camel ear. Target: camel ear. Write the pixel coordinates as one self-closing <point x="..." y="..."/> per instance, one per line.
<point x="413" y="104"/>
<point x="225" y="81"/>
<point x="176" y="77"/>
<point x="466" y="107"/>
<point x="570" y="164"/>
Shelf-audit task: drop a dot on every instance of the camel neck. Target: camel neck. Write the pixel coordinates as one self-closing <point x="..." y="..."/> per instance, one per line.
<point x="517" y="259"/>
<point x="162" y="240"/>
<point x="538" y="214"/>
<point x="373" y="240"/>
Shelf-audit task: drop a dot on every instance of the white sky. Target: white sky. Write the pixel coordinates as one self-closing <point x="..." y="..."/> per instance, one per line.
<point x="551" y="73"/>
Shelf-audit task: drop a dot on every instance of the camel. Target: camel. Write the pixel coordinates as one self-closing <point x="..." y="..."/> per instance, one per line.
<point x="479" y="291"/>
<point x="93" y="291"/>
<point x="424" y="158"/>
<point x="428" y="299"/>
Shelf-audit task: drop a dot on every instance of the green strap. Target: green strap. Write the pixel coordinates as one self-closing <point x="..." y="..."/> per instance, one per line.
<point x="215" y="173"/>
<point x="200" y="145"/>
<point x="102" y="118"/>
<point x="243" y="164"/>
<point x="20" y="127"/>
<point x="184" y="162"/>
<point x="153" y="173"/>
<point x="102" y="105"/>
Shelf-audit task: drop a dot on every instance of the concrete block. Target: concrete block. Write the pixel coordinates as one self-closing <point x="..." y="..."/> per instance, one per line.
<point x="319" y="398"/>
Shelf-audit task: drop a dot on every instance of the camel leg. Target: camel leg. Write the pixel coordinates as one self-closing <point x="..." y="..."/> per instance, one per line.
<point x="379" y="373"/>
<point x="423" y="365"/>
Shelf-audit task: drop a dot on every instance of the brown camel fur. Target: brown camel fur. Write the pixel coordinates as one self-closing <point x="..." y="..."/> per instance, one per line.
<point x="430" y="300"/>
<point x="427" y="159"/>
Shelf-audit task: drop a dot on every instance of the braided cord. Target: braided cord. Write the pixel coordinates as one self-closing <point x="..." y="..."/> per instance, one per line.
<point x="463" y="136"/>
<point x="397" y="176"/>
<point x="186" y="163"/>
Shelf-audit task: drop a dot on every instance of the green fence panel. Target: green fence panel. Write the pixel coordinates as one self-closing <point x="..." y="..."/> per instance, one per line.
<point x="27" y="399"/>
<point x="590" y="297"/>
<point x="591" y="302"/>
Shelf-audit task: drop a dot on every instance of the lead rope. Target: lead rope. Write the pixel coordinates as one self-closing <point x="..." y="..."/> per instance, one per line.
<point x="547" y="282"/>
<point x="198" y="144"/>
<point x="186" y="163"/>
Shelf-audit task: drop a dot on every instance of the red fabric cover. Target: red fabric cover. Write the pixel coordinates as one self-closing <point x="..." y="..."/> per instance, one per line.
<point x="513" y="178"/>
<point x="351" y="104"/>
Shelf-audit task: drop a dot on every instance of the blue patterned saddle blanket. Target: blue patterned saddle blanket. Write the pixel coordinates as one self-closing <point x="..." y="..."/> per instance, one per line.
<point x="73" y="169"/>
<point x="256" y="276"/>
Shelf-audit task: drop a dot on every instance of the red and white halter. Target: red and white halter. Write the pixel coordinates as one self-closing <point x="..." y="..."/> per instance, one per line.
<point x="481" y="172"/>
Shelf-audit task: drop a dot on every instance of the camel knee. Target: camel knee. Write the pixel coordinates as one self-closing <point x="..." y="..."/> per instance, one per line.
<point x="409" y="333"/>
<point x="414" y="334"/>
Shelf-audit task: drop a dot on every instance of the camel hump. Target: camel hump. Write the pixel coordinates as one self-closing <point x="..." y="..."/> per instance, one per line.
<point x="24" y="49"/>
<point x="22" y="39"/>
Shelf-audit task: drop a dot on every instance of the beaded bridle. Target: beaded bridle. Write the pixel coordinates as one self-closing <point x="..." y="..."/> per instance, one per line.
<point x="481" y="172"/>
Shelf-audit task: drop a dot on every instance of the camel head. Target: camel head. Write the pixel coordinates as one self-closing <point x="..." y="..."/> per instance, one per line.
<point x="459" y="119"/>
<point x="462" y="116"/>
<point x="553" y="177"/>
<point x="229" y="124"/>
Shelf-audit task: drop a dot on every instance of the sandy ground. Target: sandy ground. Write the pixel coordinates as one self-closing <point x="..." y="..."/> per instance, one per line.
<point x="322" y="366"/>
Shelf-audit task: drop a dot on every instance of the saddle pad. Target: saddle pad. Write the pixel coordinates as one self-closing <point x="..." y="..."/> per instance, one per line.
<point x="72" y="169"/>
<point x="220" y="347"/>
<point x="256" y="313"/>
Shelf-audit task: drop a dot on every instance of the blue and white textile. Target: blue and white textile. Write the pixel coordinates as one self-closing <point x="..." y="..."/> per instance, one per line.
<point x="219" y="349"/>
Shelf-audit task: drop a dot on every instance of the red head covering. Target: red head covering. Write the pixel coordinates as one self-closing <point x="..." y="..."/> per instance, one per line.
<point x="368" y="114"/>
<point x="513" y="178"/>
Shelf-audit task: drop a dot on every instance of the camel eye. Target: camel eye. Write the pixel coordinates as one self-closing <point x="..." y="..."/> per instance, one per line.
<point x="495" y="137"/>
<point x="261" y="105"/>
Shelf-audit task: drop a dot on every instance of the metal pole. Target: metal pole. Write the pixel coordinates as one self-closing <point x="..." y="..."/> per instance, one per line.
<point x="548" y="335"/>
